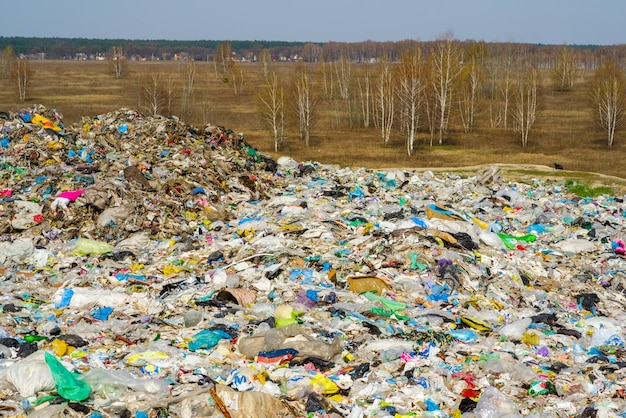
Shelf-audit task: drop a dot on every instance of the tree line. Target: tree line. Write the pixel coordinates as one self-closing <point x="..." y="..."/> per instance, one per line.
<point x="200" y="50"/>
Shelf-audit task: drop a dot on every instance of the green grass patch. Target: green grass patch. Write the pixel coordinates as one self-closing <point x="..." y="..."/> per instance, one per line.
<point x="582" y="189"/>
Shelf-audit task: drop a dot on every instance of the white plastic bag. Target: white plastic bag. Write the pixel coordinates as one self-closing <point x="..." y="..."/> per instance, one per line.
<point x="31" y="375"/>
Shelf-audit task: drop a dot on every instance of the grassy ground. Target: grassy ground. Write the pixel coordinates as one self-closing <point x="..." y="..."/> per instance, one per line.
<point x="563" y="133"/>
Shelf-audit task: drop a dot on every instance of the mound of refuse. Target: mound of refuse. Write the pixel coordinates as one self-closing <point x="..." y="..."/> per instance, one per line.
<point x="152" y="268"/>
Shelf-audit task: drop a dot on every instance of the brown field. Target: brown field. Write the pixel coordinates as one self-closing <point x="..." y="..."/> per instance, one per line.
<point x="564" y="131"/>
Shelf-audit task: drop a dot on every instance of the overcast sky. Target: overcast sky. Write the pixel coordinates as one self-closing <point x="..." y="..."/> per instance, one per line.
<point x="571" y="22"/>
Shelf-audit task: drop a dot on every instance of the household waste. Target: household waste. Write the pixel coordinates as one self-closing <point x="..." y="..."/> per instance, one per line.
<point x="150" y="268"/>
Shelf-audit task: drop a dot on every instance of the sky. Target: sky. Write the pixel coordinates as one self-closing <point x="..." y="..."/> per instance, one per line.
<point x="572" y="22"/>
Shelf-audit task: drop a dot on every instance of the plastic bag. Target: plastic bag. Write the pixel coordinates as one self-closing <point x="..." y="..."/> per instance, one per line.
<point x="85" y="246"/>
<point x="81" y="297"/>
<point x="31" y="375"/>
<point x="285" y="315"/>
<point x="68" y="386"/>
<point x="113" y="216"/>
<point x="134" y="242"/>
<point x="27" y="214"/>
<point x="510" y="241"/>
<point x="19" y="249"/>
<point x="495" y="404"/>
<point x="207" y="338"/>
<point x="112" y="384"/>
<point x="515" y="330"/>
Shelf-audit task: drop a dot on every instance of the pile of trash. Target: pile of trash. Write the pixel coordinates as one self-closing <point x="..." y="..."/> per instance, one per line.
<point x="149" y="269"/>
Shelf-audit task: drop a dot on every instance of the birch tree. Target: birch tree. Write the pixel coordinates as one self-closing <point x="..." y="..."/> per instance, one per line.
<point x="410" y="93"/>
<point x="608" y="98"/>
<point x="170" y="94"/>
<point x="272" y="107"/>
<point x="326" y="77"/>
<point x="430" y="107"/>
<point x="445" y="68"/>
<point x="224" y="58"/>
<point x="266" y="60"/>
<point x="118" y="61"/>
<point x="563" y="71"/>
<point x="237" y="75"/>
<point x="385" y="99"/>
<point x="21" y="74"/>
<point x="505" y="85"/>
<point x="305" y="101"/>
<point x="365" y="91"/>
<point x="524" y="103"/>
<point x="343" y="75"/>
<point x="152" y="94"/>
<point x="188" y="75"/>
<point x="469" y="88"/>
<point x="498" y="82"/>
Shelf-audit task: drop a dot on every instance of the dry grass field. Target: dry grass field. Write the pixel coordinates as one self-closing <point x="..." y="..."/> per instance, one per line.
<point x="564" y="131"/>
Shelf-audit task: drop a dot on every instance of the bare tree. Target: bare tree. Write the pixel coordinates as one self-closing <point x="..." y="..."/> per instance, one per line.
<point x="188" y="77"/>
<point x="311" y="52"/>
<point x="118" y="61"/>
<point x="327" y="78"/>
<point x="385" y="99"/>
<point x="608" y="97"/>
<point x="524" y="104"/>
<point x="305" y="101"/>
<point x="410" y="92"/>
<point x="207" y="111"/>
<point x="272" y="107"/>
<point x="21" y="73"/>
<point x="266" y="60"/>
<point x="563" y="71"/>
<point x="343" y="75"/>
<point x="445" y="68"/>
<point x="237" y="76"/>
<point x="224" y="58"/>
<point x="366" y="95"/>
<point x="152" y="95"/>
<point x="469" y="89"/>
<point x="170" y="94"/>
<point x="498" y="76"/>
<point x="510" y="66"/>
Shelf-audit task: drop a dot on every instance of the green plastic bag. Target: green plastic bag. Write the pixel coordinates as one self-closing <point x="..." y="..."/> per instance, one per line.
<point x="390" y="304"/>
<point x="510" y="240"/>
<point x="68" y="386"/>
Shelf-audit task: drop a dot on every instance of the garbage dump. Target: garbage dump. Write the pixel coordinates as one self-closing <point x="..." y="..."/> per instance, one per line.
<point x="150" y="268"/>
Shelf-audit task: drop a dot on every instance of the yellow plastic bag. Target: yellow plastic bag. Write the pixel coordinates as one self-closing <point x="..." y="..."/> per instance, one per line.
<point x="323" y="384"/>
